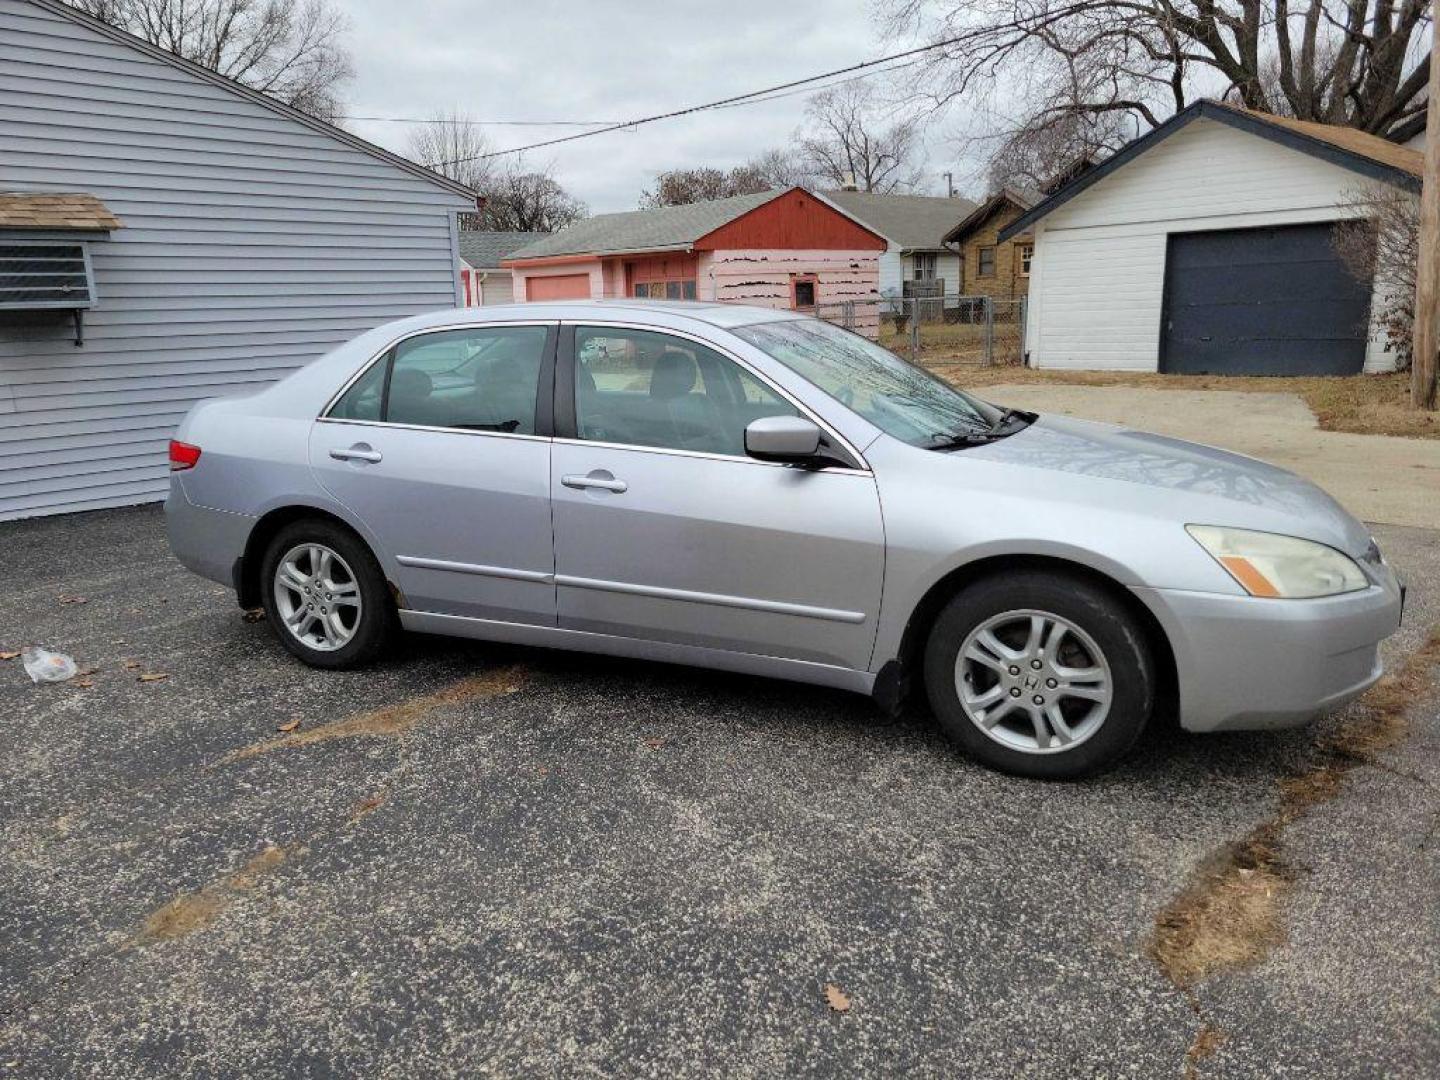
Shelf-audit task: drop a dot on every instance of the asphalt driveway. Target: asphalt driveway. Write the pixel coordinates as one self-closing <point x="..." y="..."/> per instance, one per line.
<point x="474" y="860"/>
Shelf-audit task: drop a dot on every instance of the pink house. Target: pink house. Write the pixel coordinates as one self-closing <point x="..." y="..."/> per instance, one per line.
<point x="784" y="249"/>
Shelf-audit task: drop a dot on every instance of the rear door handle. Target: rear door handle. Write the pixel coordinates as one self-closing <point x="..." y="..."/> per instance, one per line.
<point x="598" y="479"/>
<point x="358" y="452"/>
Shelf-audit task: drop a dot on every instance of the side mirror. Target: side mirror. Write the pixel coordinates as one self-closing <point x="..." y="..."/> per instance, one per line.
<point x="782" y="438"/>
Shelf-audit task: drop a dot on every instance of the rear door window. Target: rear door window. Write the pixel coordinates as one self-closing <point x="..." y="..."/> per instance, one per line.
<point x="476" y="379"/>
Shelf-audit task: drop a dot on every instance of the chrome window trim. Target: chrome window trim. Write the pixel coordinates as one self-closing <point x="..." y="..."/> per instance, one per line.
<point x="365" y="367"/>
<point x="561" y="440"/>
<point x="803" y="409"/>
<point x="441" y="430"/>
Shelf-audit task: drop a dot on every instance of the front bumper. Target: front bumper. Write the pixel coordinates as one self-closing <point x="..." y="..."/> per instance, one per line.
<point x="205" y="540"/>
<point x="1245" y="663"/>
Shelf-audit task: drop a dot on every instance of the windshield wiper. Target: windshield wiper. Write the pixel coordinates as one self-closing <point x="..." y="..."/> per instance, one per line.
<point x="1008" y="416"/>
<point x="956" y="440"/>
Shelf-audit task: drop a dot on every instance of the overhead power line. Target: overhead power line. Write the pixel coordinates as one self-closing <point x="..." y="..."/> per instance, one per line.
<point x="736" y="99"/>
<point x="480" y="123"/>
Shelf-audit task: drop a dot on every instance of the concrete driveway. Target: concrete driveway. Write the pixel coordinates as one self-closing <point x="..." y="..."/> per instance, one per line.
<point x="481" y="861"/>
<point x="1377" y="477"/>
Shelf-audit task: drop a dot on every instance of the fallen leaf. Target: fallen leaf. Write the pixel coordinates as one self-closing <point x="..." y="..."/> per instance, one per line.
<point x="130" y="665"/>
<point x="73" y="600"/>
<point x="836" y="998"/>
<point x="152" y="676"/>
<point x="654" y="744"/>
<point x="7" y="655"/>
<point x="87" y="671"/>
<point x="288" y="727"/>
<point x="84" y="684"/>
<point x="255" y="614"/>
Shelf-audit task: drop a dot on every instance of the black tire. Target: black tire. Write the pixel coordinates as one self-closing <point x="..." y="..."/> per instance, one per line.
<point x="1096" y="614"/>
<point x="377" y="620"/>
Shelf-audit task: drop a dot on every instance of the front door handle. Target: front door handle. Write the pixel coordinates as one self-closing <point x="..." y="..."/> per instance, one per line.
<point x="597" y="479"/>
<point x="358" y="452"/>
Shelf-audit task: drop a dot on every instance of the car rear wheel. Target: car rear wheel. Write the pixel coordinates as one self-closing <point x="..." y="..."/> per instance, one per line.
<point x="325" y="595"/>
<point x="1040" y="675"/>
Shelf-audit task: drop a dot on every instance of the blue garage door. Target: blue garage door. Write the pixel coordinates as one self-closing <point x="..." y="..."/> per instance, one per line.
<point x="1273" y="301"/>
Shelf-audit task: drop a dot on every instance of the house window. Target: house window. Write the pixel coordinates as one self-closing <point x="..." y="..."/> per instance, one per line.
<point x="802" y="292"/>
<point x="1027" y="252"/>
<point x="925" y="266"/>
<point x="987" y="262"/>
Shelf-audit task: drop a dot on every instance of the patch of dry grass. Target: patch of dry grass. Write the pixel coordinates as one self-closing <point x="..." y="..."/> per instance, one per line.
<point x="1229" y="917"/>
<point x="394" y="719"/>
<point x="1359" y="404"/>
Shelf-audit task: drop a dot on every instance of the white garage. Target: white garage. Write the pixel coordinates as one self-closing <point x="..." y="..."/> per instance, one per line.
<point x="1207" y="247"/>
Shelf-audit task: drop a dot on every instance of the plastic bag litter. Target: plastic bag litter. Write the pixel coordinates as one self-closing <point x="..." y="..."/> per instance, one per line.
<point x="45" y="666"/>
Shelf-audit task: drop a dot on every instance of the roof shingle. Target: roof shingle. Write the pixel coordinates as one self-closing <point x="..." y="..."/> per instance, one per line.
<point x="914" y="222"/>
<point x="55" y="210"/>
<point x="644" y="230"/>
<point x="484" y="250"/>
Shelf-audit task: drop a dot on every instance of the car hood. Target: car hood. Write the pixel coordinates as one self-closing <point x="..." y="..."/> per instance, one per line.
<point x="1191" y="479"/>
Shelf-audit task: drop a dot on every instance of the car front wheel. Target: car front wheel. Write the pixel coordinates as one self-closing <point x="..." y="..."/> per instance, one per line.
<point x="325" y="596"/>
<point x="1040" y="675"/>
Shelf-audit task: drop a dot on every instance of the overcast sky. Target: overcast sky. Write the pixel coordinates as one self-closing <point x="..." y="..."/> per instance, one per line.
<point x="604" y="60"/>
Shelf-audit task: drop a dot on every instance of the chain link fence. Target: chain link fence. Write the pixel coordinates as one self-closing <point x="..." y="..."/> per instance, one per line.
<point x="977" y="330"/>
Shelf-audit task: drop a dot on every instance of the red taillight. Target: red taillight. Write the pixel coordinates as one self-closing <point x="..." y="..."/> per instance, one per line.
<point x="183" y="455"/>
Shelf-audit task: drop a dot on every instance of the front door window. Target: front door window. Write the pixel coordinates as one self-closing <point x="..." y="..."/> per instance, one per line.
<point x="641" y="388"/>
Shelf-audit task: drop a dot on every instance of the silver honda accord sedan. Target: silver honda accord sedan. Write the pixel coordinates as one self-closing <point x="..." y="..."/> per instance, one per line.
<point x="757" y="491"/>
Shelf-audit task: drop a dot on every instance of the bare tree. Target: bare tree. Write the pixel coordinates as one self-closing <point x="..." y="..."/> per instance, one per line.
<point x="769" y="171"/>
<point x="515" y="200"/>
<point x="1381" y="244"/>
<point x="518" y="201"/>
<point x="676" y="187"/>
<point x="846" y="139"/>
<point x="292" y="50"/>
<point x="1357" y="63"/>
<point x="780" y="168"/>
<point x="452" y="144"/>
<point x="1033" y="156"/>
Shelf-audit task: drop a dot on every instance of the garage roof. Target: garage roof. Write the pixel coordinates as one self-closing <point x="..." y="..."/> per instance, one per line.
<point x="483" y="250"/>
<point x="52" y="210"/>
<point x="1359" y="151"/>
<point x="661" y="229"/>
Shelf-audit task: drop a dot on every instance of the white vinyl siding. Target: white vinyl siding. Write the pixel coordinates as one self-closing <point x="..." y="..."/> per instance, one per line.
<point x="252" y="244"/>
<point x="1097" y="278"/>
<point x="892" y="272"/>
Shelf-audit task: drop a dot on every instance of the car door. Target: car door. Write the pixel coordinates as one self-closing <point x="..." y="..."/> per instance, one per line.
<point x="666" y="530"/>
<point x="441" y="448"/>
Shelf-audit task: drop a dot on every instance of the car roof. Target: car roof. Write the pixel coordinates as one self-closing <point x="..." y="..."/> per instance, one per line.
<point x="661" y="312"/>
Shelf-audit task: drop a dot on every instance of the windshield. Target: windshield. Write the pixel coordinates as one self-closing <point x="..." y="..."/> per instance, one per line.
<point x="899" y="398"/>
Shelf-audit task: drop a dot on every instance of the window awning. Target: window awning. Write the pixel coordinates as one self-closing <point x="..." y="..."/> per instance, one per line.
<point x="45" y="254"/>
<point x="53" y="211"/>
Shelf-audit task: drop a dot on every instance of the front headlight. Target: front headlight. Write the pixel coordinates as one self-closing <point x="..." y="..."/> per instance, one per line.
<point x="1268" y="564"/>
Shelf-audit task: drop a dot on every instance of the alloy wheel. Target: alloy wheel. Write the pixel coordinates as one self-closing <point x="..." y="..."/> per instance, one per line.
<point x="317" y="597"/>
<point x="1033" y="681"/>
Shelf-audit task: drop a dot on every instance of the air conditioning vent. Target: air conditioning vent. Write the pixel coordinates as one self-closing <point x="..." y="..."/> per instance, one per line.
<point x="36" y="275"/>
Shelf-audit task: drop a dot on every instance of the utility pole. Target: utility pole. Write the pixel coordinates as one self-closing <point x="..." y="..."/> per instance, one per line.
<point x="1427" y="273"/>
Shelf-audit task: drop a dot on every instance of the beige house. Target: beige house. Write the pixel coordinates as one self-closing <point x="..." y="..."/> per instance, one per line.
<point x="999" y="269"/>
